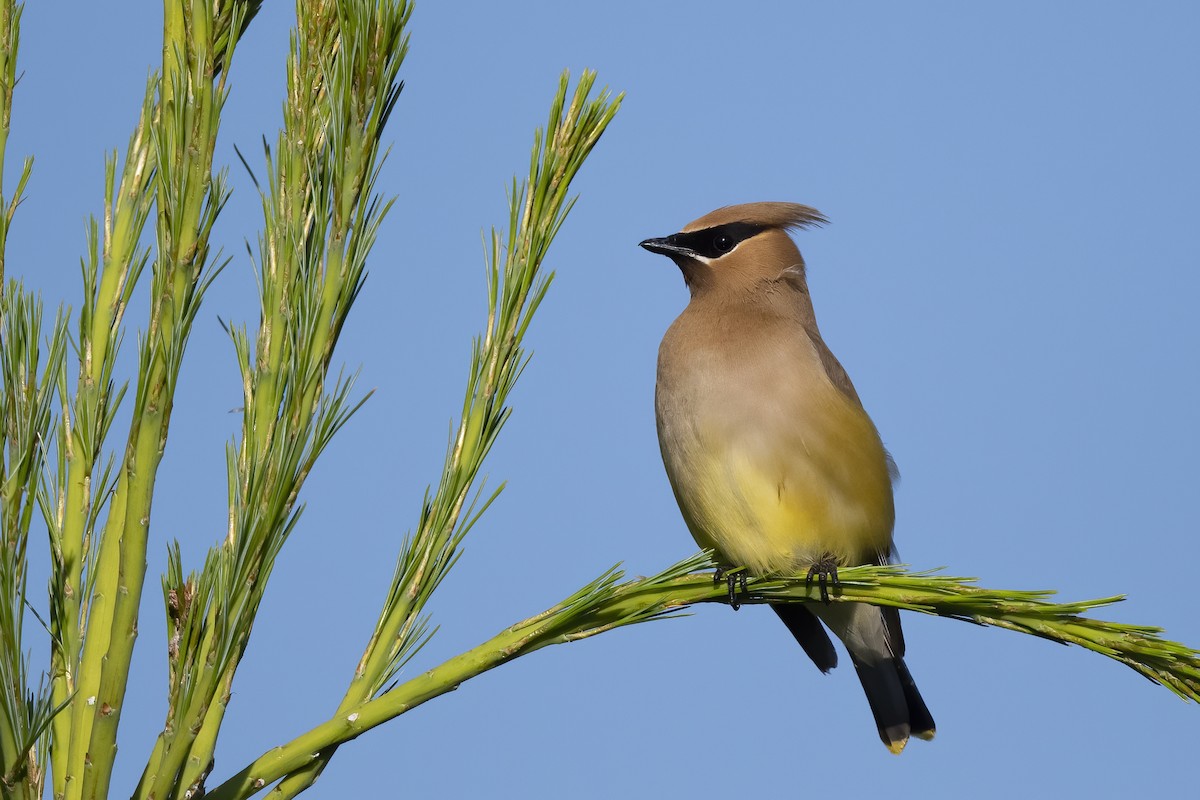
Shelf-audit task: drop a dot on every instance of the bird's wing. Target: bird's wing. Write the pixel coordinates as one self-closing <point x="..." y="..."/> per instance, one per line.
<point x="833" y="368"/>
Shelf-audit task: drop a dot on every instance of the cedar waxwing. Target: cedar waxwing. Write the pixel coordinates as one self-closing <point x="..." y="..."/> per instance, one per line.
<point x="775" y="465"/>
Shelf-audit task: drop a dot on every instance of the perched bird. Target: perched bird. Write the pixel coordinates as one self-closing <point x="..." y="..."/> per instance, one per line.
<point x="775" y="464"/>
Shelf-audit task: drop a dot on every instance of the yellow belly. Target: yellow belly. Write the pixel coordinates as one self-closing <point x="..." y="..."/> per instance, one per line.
<point x="775" y="494"/>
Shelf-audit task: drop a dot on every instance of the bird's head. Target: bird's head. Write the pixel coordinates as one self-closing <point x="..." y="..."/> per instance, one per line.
<point x="738" y="246"/>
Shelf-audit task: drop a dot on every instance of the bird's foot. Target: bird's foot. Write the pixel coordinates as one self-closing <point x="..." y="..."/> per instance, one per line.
<point x="735" y="579"/>
<point x="825" y="570"/>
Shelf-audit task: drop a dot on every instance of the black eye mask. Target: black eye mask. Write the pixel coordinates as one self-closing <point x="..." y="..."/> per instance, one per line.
<point x="716" y="241"/>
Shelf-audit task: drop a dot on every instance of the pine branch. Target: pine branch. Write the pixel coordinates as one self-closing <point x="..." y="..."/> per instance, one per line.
<point x="1139" y="647"/>
<point x="608" y="603"/>
<point x="538" y="206"/>
<point x="179" y="140"/>
<point x="321" y="218"/>
<point x="29" y="375"/>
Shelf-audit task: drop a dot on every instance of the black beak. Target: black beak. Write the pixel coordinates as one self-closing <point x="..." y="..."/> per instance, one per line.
<point x="667" y="247"/>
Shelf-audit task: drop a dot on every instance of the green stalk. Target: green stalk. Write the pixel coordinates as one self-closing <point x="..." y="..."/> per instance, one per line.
<point x="87" y="683"/>
<point x="10" y="37"/>
<point x="200" y="754"/>
<point x="321" y="220"/>
<point x="607" y="604"/>
<point x="25" y="431"/>
<point x="303" y="751"/>
<point x="185" y="758"/>
<point x="184" y="715"/>
<point x="102" y="751"/>
<point x="520" y="639"/>
<point x="515" y="289"/>
<point x="119" y="266"/>
<point x="189" y="200"/>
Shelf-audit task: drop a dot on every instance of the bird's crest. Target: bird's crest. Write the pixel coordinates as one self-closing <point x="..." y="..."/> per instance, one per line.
<point x="767" y="215"/>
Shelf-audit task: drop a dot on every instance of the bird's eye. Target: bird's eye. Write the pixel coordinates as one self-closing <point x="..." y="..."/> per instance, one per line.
<point x="723" y="243"/>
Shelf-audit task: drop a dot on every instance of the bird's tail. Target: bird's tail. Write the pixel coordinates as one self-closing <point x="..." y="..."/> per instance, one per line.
<point x="876" y="646"/>
<point x="899" y="710"/>
<point x="920" y="720"/>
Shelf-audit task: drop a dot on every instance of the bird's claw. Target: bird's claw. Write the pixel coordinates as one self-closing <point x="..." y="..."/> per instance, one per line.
<point x="735" y="579"/>
<point x="825" y="570"/>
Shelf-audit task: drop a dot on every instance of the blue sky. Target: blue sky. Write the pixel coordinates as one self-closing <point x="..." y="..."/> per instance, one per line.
<point x="1010" y="277"/>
